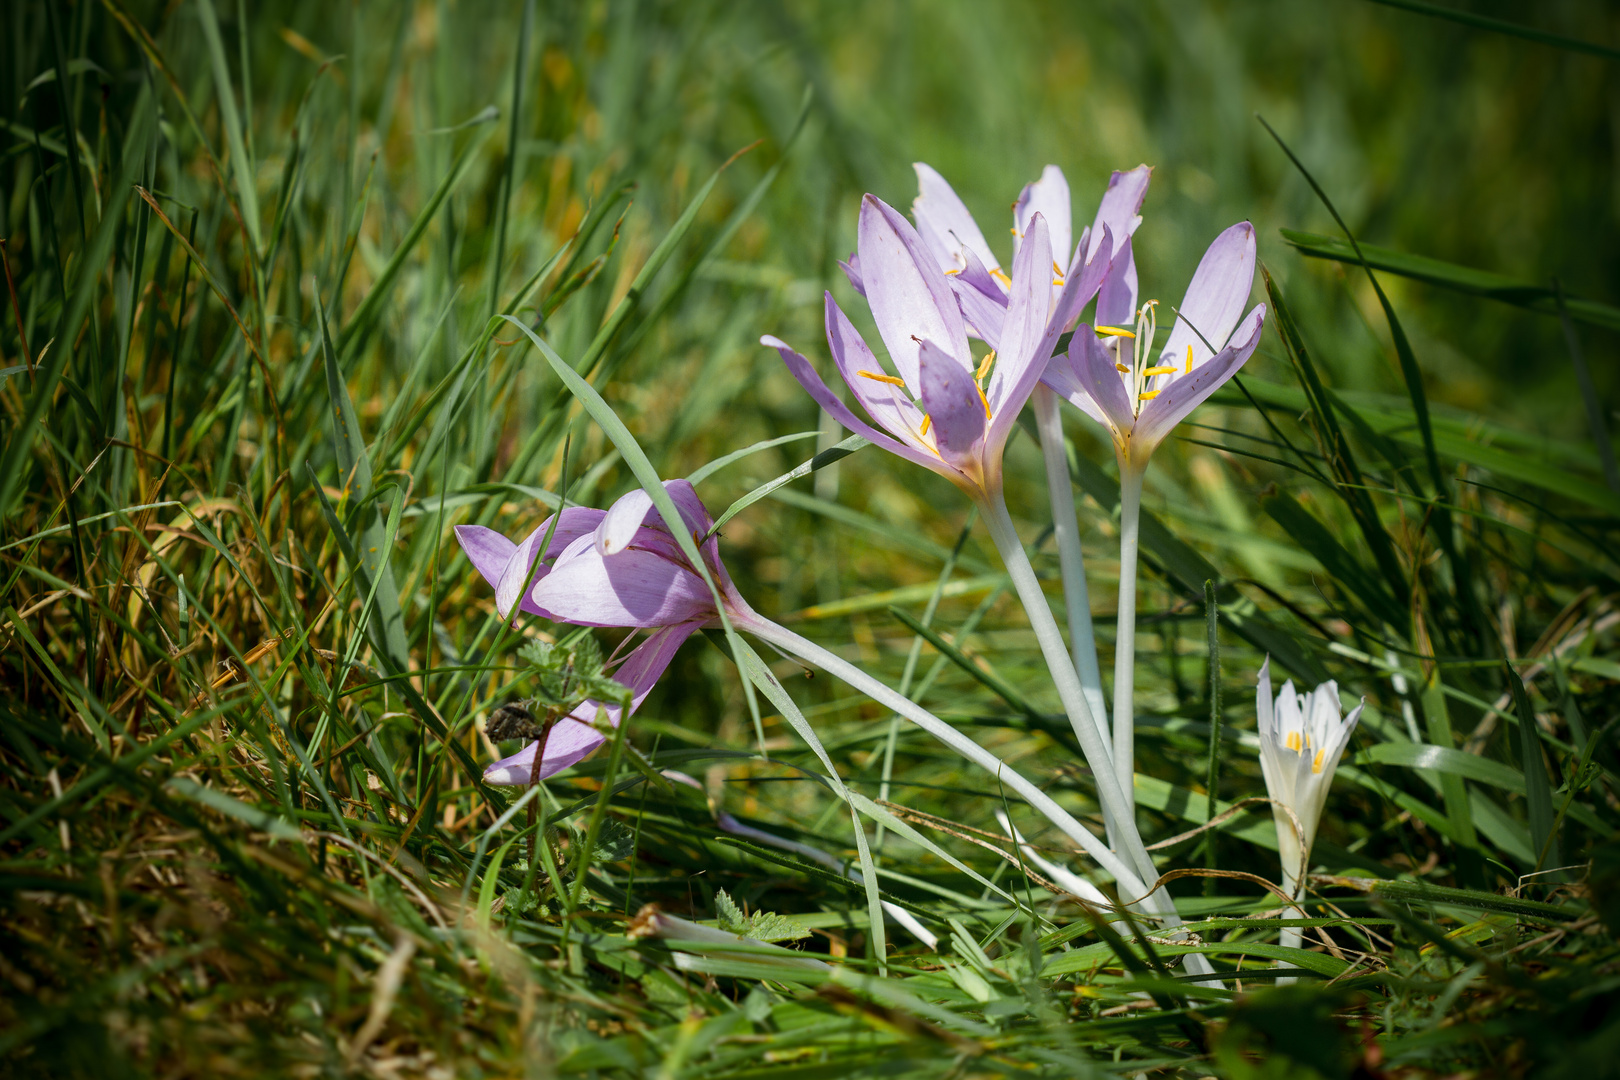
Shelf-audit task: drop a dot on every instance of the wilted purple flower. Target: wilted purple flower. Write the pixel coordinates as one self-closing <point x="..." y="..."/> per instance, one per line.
<point x="612" y="568"/>
<point x="1117" y="377"/>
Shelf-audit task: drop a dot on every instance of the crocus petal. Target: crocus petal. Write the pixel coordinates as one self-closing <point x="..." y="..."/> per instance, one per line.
<point x="1061" y="379"/>
<point x="624" y="518"/>
<point x="982" y="312"/>
<point x="1094" y="369"/>
<point x="1120" y="213"/>
<point x="519" y="570"/>
<point x="1121" y="206"/>
<point x="801" y="369"/>
<point x="486" y="549"/>
<point x="1187" y="392"/>
<point x="952" y="400"/>
<point x="1020" y="362"/>
<point x="909" y="295"/>
<point x="883" y="402"/>
<point x="1214" y="301"/>
<point x="852" y="270"/>
<point x="1265" y="723"/>
<point x="1116" y="297"/>
<point x="1048" y="197"/>
<point x="572" y="738"/>
<point x="568" y="743"/>
<point x="632" y="588"/>
<point x="945" y="224"/>
<point x="1080" y="283"/>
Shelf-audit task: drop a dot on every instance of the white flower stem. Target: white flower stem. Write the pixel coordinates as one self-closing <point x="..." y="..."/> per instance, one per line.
<point x="811" y="653"/>
<point x="1112" y="788"/>
<point x="1071" y="558"/>
<point x="1072" y="564"/>
<point x="1130" y="881"/>
<point x="1130" y="519"/>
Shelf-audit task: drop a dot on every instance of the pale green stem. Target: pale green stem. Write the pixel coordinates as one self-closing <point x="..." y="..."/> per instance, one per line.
<point x="1071" y="558"/>
<point x="1130" y="881"/>
<point x="1130" y="517"/>
<point x="811" y="653"/>
<point x="1111" y="792"/>
<point x="1072" y="565"/>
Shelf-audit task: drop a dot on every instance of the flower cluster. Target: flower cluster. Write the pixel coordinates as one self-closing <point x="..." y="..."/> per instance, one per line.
<point x="934" y="288"/>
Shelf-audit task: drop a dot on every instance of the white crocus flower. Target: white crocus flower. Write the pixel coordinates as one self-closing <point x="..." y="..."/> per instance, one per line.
<point x="1301" y="740"/>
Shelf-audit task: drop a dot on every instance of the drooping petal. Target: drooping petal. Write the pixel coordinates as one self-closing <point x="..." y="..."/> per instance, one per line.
<point x="519" y="569"/>
<point x="945" y="224"/>
<point x="1095" y="371"/>
<point x="952" y="400"/>
<point x="624" y="518"/>
<point x="632" y="588"/>
<point x="801" y="369"/>
<point x="1187" y="392"/>
<point x="975" y="273"/>
<point x="1049" y="197"/>
<point x="909" y="295"/>
<point x="573" y="737"/>
<point x="1020" y="362"/>
<point x="568" y="743"/>
<point x="884" y="402"/>
<point x="488" y="550"/>
<point x="1214" y="301"/>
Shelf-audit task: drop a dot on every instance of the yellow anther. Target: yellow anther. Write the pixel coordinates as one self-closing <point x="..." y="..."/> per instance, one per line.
<point x="927" y="421"/>
<point x="1126" y="368"/>
<point x="1163" y="369"/>
<point x="1147" y="395"/>
<point x="1316" y="763"/>
<point x="1002" y="277"/>
<point x="1056" y="269"/>
<point x="952" y="273"/>
<point x="984" y="365"/>
<point x="1113" y="331"/>
<point x="983" y="399"/>
<point x="878" y="376"/>
<point x="1189" y="359"/>
<point x="1292" y="742"/>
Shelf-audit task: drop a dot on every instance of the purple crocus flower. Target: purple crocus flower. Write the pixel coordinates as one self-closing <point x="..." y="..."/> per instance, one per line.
<point x="1101" y="264"/>
<point x="1140" y="393"/>
<point x="612" y="568"/>
<point x="945" y="410"/>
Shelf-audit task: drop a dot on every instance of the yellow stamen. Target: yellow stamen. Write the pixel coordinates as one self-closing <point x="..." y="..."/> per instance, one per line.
<point x="1126" y="368"/>
<point x="1147" y="395"/>
<point x="1163" y="369"/>
<point x="1292" y="742"/>
<point x="984" y="365"/>
<point x="1113" y="331"/>
<point x="1002" y="277"/>
<point x="1189" y="359"/>
<point x="877" y="376"/>
<point x="1316" y="765"/>
<point x="927" y="422"/>
<point x="1056" y="269"/>
<point x="983" y="399"/>
<point x="952" y="273"/>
